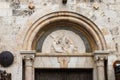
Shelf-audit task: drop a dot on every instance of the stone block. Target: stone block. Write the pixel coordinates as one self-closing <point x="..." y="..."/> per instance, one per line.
<point x="111" y="1"/>
<point x="117" y="1"/>
<point x="4" y="5"/>
<point x="115" y="7"/>
<point x="6" y="12"/>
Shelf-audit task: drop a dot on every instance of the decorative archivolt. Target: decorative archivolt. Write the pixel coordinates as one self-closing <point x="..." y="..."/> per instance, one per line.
<point x="39" y="27"/>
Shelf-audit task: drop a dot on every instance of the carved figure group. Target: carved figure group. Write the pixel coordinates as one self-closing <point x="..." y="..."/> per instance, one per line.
<point x="63" y="44"/>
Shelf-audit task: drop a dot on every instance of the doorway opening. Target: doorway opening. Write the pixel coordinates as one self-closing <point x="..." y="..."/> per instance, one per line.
<point x="63" y="74"/>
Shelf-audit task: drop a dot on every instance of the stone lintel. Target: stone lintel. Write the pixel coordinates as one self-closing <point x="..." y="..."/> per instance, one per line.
<point x="64" y="55"/>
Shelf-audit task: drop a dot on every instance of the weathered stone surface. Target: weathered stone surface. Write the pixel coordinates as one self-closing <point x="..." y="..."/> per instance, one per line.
<point x="15" y="21"/>
<point x="4" y="5"/>
<point x="117" y="1"/>
<point x="115" y="7"/>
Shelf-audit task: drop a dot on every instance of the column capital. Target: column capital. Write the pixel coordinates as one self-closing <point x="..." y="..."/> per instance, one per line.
<point x="100" y="56"/>
<point x="99" y="60"/>
<point x="28" y="56"/>
<point x="29" y="61"/>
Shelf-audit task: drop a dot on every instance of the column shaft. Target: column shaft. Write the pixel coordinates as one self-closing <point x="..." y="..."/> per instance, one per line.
<point x="100" y="68"/>
<point x="28" y="69"/>
<point x="101" y="73"/>
<point x="28" y="73"/>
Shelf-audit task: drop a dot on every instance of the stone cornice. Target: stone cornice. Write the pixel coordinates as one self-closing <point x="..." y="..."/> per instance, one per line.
<point x="28" y="54"/>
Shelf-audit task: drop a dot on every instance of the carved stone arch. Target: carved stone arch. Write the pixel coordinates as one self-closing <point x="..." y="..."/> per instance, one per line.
<point x="37" y="29"/>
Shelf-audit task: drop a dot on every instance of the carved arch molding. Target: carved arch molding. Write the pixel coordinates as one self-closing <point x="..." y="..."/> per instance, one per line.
<point x="62" y="19"/>
<point x="59" y="28"/>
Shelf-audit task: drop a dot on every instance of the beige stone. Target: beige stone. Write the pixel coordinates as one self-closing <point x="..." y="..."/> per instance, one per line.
<point x="19" y="34"/>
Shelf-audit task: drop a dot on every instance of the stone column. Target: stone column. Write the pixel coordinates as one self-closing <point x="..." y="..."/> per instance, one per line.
<point x="99" y="60"/>
<point x="28" y="68"/>
<point x="100" y="68"/>
<point x="28" y="56"/>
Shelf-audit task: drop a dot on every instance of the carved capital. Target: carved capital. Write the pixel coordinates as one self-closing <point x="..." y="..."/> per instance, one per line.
<point x="100" y="57"/>
<point x="31" y="58"/>
<point x="29" y="61"/>
<point x="99" y="60"/>
<point x="28" y="56"/>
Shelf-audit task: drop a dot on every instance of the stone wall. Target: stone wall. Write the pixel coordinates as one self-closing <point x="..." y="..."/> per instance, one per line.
<point x="15" y="15"/>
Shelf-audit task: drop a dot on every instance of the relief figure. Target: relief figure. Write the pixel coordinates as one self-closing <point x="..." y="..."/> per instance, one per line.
<point x="63" y="44"/>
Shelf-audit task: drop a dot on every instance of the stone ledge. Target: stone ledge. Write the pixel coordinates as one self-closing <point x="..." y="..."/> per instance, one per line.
<point x="64" y="54"/>
<point x="27" y="51"/>
<point x="28" y="54"/>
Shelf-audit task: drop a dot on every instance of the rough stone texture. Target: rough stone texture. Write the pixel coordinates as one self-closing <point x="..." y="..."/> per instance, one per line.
<point x="106" y="17"/>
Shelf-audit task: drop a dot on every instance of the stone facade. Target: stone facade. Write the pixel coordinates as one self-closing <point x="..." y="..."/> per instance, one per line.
<point x="19" y="17"/>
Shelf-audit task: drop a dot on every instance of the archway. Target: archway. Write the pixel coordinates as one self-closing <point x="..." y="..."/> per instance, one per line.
<point x="87" y="26"/>
<point x="64" y="40"/>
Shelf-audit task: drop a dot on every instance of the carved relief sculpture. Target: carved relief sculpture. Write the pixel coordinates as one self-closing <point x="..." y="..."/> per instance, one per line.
<point x="63" y="61"/>
<point x="63" y="44"/>
<point x="63" y="41"/>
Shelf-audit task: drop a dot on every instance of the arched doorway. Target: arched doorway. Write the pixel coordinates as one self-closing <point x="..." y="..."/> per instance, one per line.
<point x="64" y="40"/>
